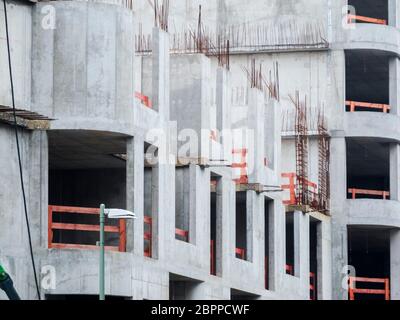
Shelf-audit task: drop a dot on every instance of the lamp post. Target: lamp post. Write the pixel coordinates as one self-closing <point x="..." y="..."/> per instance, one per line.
<point x="7" y="285"/>
<point x="111" y="214"/>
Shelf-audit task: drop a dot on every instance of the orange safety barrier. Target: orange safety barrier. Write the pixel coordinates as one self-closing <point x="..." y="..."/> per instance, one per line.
<point x="292" y="188"/>
<point x="354" y="104"/>
<point x="240" y="253"/>
<point x="242" y="165"/>
<point x="353" y="290"/>
<point x="182" y="233"/>
<point x="148" y="221"/>
<point x="354" y="192"/>
<point x="145" y="100"/>
<point x="289" y="269"/>
<point x="313" y="287"/>
<point x="213" y="270"/>
<point x="352" y="18"/>
<point x="120" y="229"/>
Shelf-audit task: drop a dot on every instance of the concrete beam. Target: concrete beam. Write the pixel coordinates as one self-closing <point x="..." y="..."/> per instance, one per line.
<point x="395" y="264"/>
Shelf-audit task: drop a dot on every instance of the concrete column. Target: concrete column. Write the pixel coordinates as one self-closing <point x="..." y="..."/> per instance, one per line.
<point x="301" y="246"/>
<point x="222" y="100"/>
<point x="37" y="196"/>
<point x="338" y="185"/>
<point x="394" y="17"/>
<point x="324" y="258"/>
<point x="395" y="264"/>
<point x="275" y="259"/>
<point x="394" y="85"/>
<point x="395" y="171"/>
<point x="160" y="72"/>
<point x="255" y="140"/>
<point x="135" y="194"/>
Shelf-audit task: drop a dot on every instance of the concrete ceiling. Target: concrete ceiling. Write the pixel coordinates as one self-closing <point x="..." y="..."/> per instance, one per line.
<point x="78" y="149"/>
<point x="367" y="76"/>
<point x="367" y="157"/>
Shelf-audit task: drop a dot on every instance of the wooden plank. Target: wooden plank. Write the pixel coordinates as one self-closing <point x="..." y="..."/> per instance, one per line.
<point x="81" y="246"/>
<point x="122" y="235"/>
<point x="82" y="227"/>
<point x="79" y="210"/>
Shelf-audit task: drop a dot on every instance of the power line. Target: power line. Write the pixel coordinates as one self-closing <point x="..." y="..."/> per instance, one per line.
<point x="19" y="151"/>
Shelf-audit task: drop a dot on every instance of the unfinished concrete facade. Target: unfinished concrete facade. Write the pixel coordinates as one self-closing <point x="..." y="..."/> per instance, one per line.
<point x="212" y="222"/>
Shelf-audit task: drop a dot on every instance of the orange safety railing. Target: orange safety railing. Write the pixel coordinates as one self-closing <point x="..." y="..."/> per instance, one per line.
<point x="352" y="18"/>
<point x="354" y="192"/>
<point x="120" y="229"/>
<point x="289" y="269"/>
<point x="145" y="100"/>
<point x="148" y="235"/>
<point x="354" y="290"/>
<point x="182" y="233"/>
<point x="292" y="188"/>
<point x="240" y="253"/>
<point x="355" y="104"/>
<point x="313" y="286"/>
<point x="213" y="270"/>
<point x="242" y="165"/>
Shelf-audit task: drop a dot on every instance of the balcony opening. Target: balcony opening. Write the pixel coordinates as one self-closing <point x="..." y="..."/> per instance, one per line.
<point x="150" y="192"/>
<point x="314" y="258"/>
<point x="241" y="251"/>
<point x="182" y="203"/>
<point x="369" y="254"/>
<point x="215" y="225"/>
<point x="183" y="288"/>
<point x="242" y="295"/>
<point x="368" y="169"/>
<point x="290" y="244"/>
<point x="367" y="81"/>
<point x="86" y="168"/>
<point x="369" y="11"/>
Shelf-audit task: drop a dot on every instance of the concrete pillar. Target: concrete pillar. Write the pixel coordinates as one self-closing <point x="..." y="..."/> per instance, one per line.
<point x="395" y="264"/>
<point x="394" y="85"/>
<point x="222" y="100"/>
<point x="134" y="194"/>
<point x="338" y="185"/>
<point x="394" y="16"/>
<point x="324" y="259"/>
<point x="275" y="261"/>
<point x="255" y="139"/>
<point x="301" y="246"/>
<point x="37" y="197"/>
<point x="395" y="171"/>
<point x="160" y="72"/>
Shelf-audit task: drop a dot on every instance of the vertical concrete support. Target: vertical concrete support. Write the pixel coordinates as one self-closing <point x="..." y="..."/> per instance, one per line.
<point x="339" y="219"/>
<point x="222" y="96"/>
<point x="301" y="246"/>
<point x="134" y="194"/>
<point x="37" y="176"/>
<point x="255" y="139"/>
<point x="155" y="194"/>
<point x="160" y="72"/>
<point x="395" y="171"/>
<point x="272" y="134"/>
<point x="220" y="206"/>
<point x="324" y="271"/>
<point x="274" y="263"/>
<point x="251" y="212"/>
<point x="394" y="10"/>
<point x="394" y="85"/>
<point x="395" y="264"/>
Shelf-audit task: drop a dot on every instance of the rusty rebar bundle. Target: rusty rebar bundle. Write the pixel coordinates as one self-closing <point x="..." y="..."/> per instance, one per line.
<point x="301" y="142"/>
<point x="323" y="164"/>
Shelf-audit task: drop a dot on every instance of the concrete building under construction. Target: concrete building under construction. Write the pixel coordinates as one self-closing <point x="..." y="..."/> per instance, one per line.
<point x="256" y="142"/>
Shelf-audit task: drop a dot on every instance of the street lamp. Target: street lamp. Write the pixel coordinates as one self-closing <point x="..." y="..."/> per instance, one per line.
<point x="111" y="214"/>
<point x="6" y="284"/>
